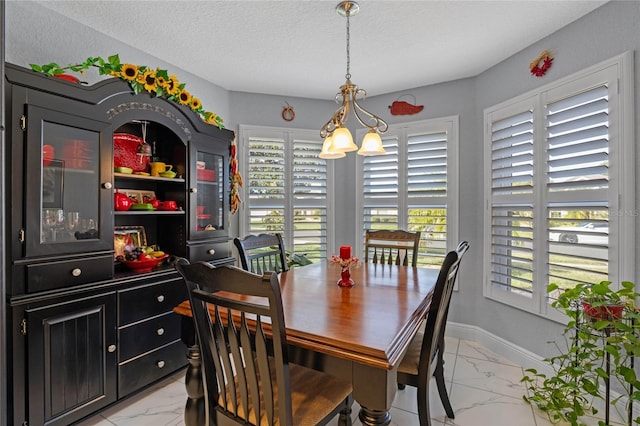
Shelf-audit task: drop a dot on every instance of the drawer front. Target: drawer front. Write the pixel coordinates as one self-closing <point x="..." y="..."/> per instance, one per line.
<point x="146" y="301"/>
<point x="146" y="369"/>
<point x="150" y="334"/>
<point x="67" y="273"/>
<point x="209" y="251"/>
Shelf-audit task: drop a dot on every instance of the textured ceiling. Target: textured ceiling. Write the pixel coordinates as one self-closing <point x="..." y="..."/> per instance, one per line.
<point x="298" y="48"/>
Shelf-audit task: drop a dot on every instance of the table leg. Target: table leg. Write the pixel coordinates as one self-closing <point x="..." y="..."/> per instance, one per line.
<point x="374" y="389"/>
<point x="194" y="410"/>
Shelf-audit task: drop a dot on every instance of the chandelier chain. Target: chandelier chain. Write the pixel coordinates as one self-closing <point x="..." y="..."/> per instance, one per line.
<point x="348" y="74"/>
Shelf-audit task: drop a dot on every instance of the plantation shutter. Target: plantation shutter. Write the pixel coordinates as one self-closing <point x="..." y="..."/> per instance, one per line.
<point x="578" y="141"/>
<point x="309" y="199"/>
<point x="266" y="185"/>
<point x="408" y="187"/>
<point x="381" y="186"/>
<point x="287" y="189"/>
<point x="512" y="201"/>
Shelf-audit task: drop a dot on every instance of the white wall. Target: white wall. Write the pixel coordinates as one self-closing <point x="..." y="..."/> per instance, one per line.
<point x="35" y="35"/>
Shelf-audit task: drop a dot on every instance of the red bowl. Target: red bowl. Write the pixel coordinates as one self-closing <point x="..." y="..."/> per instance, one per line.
<point x="144" y="265"/>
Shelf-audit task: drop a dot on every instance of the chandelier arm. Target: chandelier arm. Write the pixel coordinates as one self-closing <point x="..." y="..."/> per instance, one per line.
<point x="380" y="125"/>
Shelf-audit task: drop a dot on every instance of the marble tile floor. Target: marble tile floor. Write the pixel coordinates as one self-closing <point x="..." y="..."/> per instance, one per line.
<point x="484" y="389"/>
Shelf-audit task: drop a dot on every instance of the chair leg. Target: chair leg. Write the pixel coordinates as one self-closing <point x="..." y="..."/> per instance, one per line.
<point x="442" y="387"/>
<point x="423" y="405"/>
<point x="345" y="414"/>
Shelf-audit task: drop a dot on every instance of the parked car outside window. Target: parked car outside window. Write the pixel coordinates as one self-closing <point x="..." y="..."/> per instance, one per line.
<point x="596" y="233"/>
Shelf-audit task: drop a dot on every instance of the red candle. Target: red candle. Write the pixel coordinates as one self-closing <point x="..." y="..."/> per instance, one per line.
<point x="345" y="252"/>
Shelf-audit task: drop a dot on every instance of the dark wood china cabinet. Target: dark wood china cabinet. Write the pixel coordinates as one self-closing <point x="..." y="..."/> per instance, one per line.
<point x="84" y="331"/>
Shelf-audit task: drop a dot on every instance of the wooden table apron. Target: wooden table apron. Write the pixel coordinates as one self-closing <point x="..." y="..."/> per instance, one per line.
<point x="364" y="330"/>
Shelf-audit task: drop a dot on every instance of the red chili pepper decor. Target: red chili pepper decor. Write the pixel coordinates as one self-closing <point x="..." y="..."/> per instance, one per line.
<point x="405" y="108"/>
<point x="540" y="65"/>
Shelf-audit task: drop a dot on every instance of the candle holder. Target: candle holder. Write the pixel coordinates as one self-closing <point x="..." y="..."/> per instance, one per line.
<point x="345" y="269"/>
<point x="345" y="280"/>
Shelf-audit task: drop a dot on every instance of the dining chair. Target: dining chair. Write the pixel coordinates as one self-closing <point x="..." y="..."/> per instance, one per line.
<point x="393" y="247"/>
<point x="262" y="253"/>
<point x="248" y="379"/>
<point x="424" y="357"/>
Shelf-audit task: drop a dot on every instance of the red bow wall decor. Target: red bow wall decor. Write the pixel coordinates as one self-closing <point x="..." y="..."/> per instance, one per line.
<point x="398" y="107"/>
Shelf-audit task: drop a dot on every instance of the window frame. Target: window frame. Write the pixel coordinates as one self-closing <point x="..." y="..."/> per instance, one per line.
<point x="621" y="204"/>
<point x="449" y="125"/>
<point x="288" y="135"/>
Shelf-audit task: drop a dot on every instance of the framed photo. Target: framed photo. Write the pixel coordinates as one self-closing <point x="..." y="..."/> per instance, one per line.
<point x="128" y="237"/>
<point x="147" y="196"/>
<point x="134" y="194"/>
<point x="52" y="184"/>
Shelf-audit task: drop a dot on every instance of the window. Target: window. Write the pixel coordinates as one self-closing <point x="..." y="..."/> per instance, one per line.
<point x="285" y="188"/>
<point x="559" y="187"/>
<point x="414" y="186"/>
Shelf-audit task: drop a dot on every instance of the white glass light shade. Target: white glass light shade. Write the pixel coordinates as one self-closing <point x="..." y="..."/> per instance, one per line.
<point x="343" y="141"/>
<point x="327" y="152"/>
<point x="372" y="144"/>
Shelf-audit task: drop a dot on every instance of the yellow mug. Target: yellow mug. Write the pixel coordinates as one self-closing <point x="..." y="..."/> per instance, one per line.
<point x="158" y="167"/>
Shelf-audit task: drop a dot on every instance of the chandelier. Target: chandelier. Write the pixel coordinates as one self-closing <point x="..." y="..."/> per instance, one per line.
<point x="337" y="137"/>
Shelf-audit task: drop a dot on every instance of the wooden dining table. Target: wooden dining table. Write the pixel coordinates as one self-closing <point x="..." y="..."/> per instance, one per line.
<point x="360" y="332"/>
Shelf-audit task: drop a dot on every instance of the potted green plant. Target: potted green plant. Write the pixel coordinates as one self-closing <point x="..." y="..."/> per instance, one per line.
<point x="601" y="337"/>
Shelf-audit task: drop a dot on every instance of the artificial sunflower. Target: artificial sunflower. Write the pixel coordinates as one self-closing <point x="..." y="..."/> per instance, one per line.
<point x="184" y="98"/>
<point x="129" y="72"/>
<point x="195" y="104"/>
<point x="173" y="85"/>
<point x="149" y="80"/>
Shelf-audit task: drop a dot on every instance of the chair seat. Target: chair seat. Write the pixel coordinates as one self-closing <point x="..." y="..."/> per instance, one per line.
<point x="411" y="359"/>
<point x="313" y="395"/>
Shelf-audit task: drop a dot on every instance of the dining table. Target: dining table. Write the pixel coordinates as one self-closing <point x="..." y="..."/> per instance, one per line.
<point x="359" y="333"/>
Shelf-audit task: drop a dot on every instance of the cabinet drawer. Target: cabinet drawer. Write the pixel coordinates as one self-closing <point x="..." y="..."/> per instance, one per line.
<point x="150" y="367"/>
<point x="147" y="335"/>
<point x="209" y="251"/>
<point x="142" y="302"/>
<point x="67" y="273"/>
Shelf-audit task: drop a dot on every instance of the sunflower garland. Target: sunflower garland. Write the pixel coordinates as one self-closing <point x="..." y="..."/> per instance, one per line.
<point x="141" y="78"/>
<point x="157" y="82"/>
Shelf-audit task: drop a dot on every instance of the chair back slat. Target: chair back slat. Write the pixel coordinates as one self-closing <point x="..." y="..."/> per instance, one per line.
<point x="392" y="247"/>
<point x="262" y="253"/>
<point x="242" y="343"/>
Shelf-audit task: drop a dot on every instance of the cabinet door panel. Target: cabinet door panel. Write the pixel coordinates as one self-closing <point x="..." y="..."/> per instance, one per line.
<point x="67" y="207"/>
<point x="72" y="371"/>
<point x="209" y="188"/>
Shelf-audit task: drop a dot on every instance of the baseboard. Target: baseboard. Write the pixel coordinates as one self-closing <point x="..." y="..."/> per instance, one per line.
<point x="518" y="355"/>
<point x="498" y="345"/>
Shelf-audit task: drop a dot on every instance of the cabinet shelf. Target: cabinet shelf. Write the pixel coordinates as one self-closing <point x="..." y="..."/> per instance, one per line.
<point x="148" y="178"/>
<point x="148" y="212"/>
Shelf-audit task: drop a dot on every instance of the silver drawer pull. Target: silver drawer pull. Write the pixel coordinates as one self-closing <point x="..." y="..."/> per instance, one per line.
<point x="76" y="272"/>
<point x="160" y="331"/>
<point x="160" y="364"/>
<point x="211" y="252"/>
<point x="111" y="348"/>
<point x="160" y="298"/>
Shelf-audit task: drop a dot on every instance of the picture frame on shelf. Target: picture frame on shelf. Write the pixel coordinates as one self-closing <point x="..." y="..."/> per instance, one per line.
<point x="134" y="194"/>
<point x="124" y="236"/>
<point x="147" y="196"/>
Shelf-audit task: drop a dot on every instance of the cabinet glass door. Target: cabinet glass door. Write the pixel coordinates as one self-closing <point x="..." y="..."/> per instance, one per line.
<point x="210" y="192"/>
<point x="64" y="193"/>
